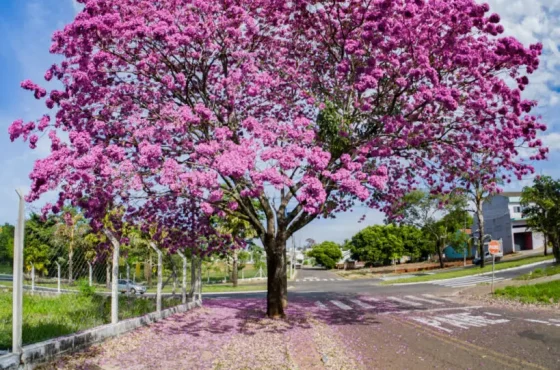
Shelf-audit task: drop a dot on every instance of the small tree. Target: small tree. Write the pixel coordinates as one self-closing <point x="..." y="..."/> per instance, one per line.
<point x="326" y="254"/>
<point x="541" y="204"/>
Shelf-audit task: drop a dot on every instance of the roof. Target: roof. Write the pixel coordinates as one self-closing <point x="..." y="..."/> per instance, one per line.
<point x="467" y="231"/>
<point x="511" y="194"/>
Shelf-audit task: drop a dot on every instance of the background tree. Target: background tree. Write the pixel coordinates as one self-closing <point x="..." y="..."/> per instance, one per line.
<point x="245" y="107"/>
<point x="541" y="204"/>
<point x="383" y="244"/>
<point x="70" y="232"/>
<point x="38" y="249"/>
<point x="439" y="216"/>
<point x="7" y="243"/>
<point x="326" y="254"/>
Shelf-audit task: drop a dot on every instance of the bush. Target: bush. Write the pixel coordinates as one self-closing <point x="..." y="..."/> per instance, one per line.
<point x="326" y="254"/>
<point x="85" y="289"/>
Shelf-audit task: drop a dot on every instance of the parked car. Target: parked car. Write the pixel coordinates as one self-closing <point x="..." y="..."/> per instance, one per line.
<point x="298" y="265"/>
<point x="128" y="286"/>
<point x="487" y="258"/>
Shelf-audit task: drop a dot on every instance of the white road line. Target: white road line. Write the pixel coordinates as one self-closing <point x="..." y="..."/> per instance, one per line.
<point x="361" y="304"/>
<point x="542" y="322"/>
<point x="325" y="279"/>
<point x="458" y="284"/>
<point x="369" y="299"/>
<point x="433" y="310"/>
<point x="426" y="300"/>
<point x="297" y="279"/>
<point x="553" y="320"/>
<point x="436" y="297"/>
<point x="404" y="301"/>
<point x="341" y="305"/>
<point x="492" y="314"/>
<point x="321" y="305"/>
<point x="332" y="279"/>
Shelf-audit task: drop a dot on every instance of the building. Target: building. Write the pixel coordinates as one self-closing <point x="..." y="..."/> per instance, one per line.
<point x="451" y="254"/>
<point x="503" y="219"/>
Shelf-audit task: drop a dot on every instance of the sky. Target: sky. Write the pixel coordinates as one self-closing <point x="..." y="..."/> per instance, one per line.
<point x="26" y="27"/>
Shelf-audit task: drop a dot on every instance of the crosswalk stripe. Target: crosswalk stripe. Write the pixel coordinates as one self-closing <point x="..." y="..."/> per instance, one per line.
<point x="423" y="299"/>
<point x="297" y="279"/>
<point x="369" y="299"/>
<point x="360" y="303"/>
<point x="321" y="305"/>
<point x="404" y="301"/>
<point x="436" y="297"/>
<point x="341" y="305"/>
<point x="325" y="279"/>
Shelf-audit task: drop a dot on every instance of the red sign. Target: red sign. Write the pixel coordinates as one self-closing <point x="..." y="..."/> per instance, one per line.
<point x="494" y="247"/>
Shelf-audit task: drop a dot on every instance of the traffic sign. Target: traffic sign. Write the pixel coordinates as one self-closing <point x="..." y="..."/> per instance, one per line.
<point x="494" y="247"/>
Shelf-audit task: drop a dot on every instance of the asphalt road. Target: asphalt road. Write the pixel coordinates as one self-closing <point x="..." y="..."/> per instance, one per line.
<point x="424" y="326"/>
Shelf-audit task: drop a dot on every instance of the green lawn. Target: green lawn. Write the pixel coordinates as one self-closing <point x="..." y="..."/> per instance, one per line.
<point x="6" y="269"/>
<point x="470" y="271"/>
<point x="46" y="317"/>
<point x="538" y="273"/>
<point x="547" y="293"/>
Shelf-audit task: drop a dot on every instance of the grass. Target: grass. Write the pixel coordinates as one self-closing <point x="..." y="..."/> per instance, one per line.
<point x="46" y="317"/>
<point x="229" y="288"/>
<point x="538" y="273"/>
<point x="471" y="271"/>
<point x="6" y="269"/>
<point x="547" y="293"/>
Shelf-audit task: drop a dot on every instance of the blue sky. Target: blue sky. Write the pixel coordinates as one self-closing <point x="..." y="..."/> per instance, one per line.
<point x="27" y="25"/>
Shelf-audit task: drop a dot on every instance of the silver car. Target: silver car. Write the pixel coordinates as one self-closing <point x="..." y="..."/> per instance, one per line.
<point x="128" y="286"/>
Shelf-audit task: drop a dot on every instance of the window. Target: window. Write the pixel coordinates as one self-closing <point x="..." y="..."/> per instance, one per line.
<point x="517" y="209"/>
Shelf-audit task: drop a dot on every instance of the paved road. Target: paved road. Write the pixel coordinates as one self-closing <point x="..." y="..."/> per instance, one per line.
<point x="424" y="326"/>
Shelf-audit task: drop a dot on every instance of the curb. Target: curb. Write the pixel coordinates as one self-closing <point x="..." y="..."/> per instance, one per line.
<point x="225" y="293"/>
<point x="482" y="274"/>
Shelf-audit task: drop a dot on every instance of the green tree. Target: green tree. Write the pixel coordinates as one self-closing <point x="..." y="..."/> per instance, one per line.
<point x="541" y="204"/>
<point x="38" y="250"/>
<point x="7" y="232"/>
<point x="382" y="244"/>
<point x="326" y="254"/>
<point x="436" y="215"/>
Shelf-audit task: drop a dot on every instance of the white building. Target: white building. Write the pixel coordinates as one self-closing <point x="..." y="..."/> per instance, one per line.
<point x="503" y="219"/>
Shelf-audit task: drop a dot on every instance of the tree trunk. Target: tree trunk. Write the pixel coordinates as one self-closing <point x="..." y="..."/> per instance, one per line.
<point x="234" y="272"/>
<point x="545" y="245"/>
<point x="555" y="247"/>
<point x="440" y="253"/>
<point x="277" y="279"/>
<point x="196" y="278"/>
<point x="480" y="219"/>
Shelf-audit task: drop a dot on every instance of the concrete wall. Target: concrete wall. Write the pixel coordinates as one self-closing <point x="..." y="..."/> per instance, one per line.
<point x="497" y="221"/>
<point x="38" y="353"/>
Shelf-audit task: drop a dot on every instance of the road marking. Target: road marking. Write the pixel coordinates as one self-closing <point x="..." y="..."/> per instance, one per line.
<point x="404" y="301"/>
<point x="361" y="304"/>
<point x="341" y="305"/>
<point x="436" y="297"/>
<point x="325" y="279"/>
<point x="423" y="299"/>
<point x="297" y="279"/>
<point x="369" y="299"/>
<point x="431" y="322"/>
<point x="462" y="320"/>
<point x="321" y="305"/>
<point x="433" y="310"/>
<point x="553" y="320"/>
<point x="543" y="322"/>
<point x="465" y="281"/>
<point x="492" y="314"/>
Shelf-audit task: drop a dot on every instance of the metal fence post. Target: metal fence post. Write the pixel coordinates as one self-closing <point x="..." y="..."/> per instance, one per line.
<point x="90" y="273"/>
<point x="115" y="277"/>
<point x="159" y="275"/>
<point x="184" y="283"/>
<point x="17" y="297"/>
<point x="58" y="279"/>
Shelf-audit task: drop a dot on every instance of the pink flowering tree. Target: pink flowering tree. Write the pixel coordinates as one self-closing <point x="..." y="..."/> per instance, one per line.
<point x="277" y="112"/>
